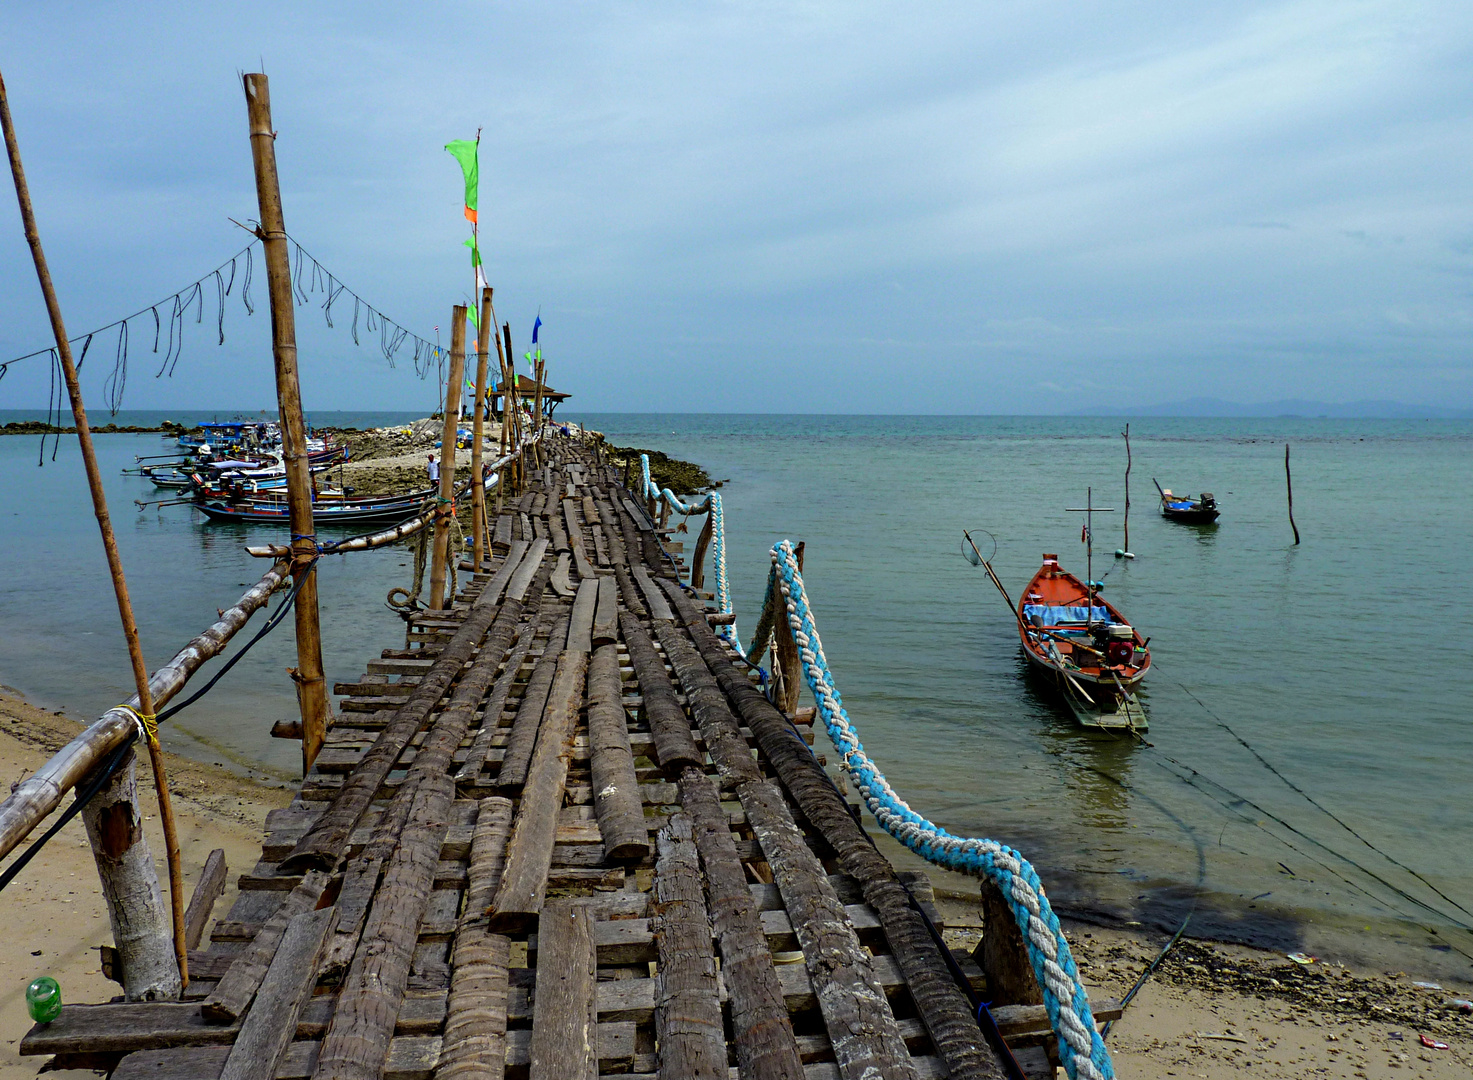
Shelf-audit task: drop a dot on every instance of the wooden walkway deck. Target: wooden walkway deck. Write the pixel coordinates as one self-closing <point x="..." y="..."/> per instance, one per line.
<point x="562" y="835"/>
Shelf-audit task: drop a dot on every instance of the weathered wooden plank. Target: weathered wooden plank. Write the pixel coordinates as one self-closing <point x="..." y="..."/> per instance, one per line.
<point x="616" y="798"/>
<point x="616" y="1049"/>
<point x="516" y="588"/>
<point x="688" y="1028"/>
<point x="675" y="746"/>
<point x="523" y="884"/>
<point x="271" y="1024"/>
<point x="324" y="844"/>
<point x="708" y="705"/>
<point x="565" y="1015"/>
<point x="233" y="993"/>
<point x="475" y="1024"/>
<point x="863" y="1030"/>
<point x="522" y="740"/>
<point x="606" y="613"/>
<point x="502" y="535"/>
<point x="560" y="581"/>
<point x="493" y="590"/>
<point x="628" y="592"/>
<point x="475" y="758"/>
<point x="765" y="1046"/>
<point x="658" y="607"/>
<point x="944" y="1009"/>
<point x="580" y="626"/>
<point x="211" y="884"/>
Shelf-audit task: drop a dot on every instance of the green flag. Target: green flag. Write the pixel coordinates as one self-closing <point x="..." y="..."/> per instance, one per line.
<point x="465" y="152"/>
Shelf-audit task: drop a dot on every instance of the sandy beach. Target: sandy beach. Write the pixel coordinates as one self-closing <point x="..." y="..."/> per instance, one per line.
<point x="55" y="916"/>
<point x="1208" y="1011"/>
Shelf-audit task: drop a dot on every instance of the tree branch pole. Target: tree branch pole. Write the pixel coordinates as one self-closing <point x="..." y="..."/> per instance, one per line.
<point x="109" y="541"/>
<point x="445" y="503"/>
<point x="1126" y="435"/>
<point x="478" y="491"/>
<point x="311" y="684"/>
<point x="514" y="400"/>
<point x="1289" y="484"/>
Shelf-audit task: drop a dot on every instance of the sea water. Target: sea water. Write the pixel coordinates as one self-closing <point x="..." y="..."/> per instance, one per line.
<point x="1306" y="780"/>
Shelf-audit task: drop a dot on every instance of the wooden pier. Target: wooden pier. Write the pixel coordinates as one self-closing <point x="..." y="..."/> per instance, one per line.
<point x="563" y="834"/>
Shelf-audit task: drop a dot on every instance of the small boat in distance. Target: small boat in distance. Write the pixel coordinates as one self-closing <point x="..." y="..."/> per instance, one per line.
<point x="1199" y="511"/>
<point x="1085" y="645"/>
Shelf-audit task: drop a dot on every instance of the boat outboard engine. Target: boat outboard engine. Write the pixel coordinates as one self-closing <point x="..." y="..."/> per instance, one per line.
<point x="1119" y="645"/>
<point x="1208" y="502"/>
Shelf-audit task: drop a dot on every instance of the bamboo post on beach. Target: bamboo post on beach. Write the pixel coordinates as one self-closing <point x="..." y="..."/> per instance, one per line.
<point x="128" y="877"/>
<point x="1289" y="485"/>
<point x="445" y="505"/>
<point x="311" y="685"/>
<point x="1126" y="435"/>
<point x="478" y="486"/>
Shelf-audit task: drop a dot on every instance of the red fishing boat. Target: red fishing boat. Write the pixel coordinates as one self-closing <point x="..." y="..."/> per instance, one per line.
<point x="1080" y="641"/>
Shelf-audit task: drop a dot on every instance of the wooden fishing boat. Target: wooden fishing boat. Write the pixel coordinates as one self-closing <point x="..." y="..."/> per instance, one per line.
<point x="1084" y="645"/>
<point x="1199" y="511"/>
<point x="355" y="512"/>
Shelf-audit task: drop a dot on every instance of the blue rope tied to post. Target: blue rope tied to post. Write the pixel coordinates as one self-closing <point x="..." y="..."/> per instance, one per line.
<point x="710" y="503"/>
<point x="1081" y="1049"/>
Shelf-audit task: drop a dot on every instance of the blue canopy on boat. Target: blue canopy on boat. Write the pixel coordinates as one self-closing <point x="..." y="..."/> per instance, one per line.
<point x="1055" y="614"/>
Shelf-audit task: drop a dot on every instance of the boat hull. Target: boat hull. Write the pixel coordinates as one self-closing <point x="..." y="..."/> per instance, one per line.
<point x="321" y="515"/>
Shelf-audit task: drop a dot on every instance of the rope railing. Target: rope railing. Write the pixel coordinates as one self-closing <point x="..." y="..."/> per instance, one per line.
<point x="1081" y="1048"/>
<point x="709" y="503"/>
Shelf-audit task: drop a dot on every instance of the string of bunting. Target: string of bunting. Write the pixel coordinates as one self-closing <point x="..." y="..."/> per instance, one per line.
<point x="309" y="277"/>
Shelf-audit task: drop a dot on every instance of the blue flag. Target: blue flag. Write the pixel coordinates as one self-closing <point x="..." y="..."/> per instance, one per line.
<point x="535" y="327"/>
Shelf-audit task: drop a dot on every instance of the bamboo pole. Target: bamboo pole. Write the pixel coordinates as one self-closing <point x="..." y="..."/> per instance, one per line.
<point x="478" y="491"/>
<point x="308" y="675"/>
<point x="514" y="404"/>
<point x="1289" y="484"/>
<point x="445" y="502"/>
<point x="109" y="541"/>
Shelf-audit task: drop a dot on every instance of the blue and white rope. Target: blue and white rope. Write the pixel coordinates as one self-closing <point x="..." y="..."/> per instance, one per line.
<point x="1081" y="1049"/>
<point x="708" y="503"/>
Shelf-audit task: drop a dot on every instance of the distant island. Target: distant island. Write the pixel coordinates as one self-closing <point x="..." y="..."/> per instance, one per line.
<point x="1331" y="410"/>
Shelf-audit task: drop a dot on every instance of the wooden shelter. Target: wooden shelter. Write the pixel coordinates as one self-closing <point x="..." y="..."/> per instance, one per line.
<point x="527" y="389"/>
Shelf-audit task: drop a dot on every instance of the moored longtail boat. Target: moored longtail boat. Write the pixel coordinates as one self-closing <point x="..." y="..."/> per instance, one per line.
<point x="1080" y="641"/>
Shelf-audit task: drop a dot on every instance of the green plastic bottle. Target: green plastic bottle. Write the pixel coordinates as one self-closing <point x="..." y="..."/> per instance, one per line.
<point x="43" y="999"/>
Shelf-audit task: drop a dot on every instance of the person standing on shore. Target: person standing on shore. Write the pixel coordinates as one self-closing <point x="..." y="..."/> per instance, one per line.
<point x="432" y="469"/>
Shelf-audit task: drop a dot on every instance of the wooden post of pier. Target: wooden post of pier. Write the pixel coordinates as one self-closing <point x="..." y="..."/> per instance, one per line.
<point x="478" y="486"/>
<point x="129" y="880"/>
<point x="512" y="406"/>
<point x="445" y="503"/>
<point x="785" y="649"/>
<point x="311" y="684"/>
<point x="537" y="406"/>
<point x="1289" y="485"/>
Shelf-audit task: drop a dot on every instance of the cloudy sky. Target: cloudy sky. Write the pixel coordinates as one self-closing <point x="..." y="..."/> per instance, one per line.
<point x="965" y="208"/>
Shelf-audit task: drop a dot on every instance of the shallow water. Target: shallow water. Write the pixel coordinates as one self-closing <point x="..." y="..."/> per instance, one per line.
<point x="1327" y="660"/>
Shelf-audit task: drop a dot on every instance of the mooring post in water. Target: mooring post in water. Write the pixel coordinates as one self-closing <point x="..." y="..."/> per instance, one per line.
<point x="1126" y="435"/>
<point x="478" y="485"/>
<point x="1289" y="484"/>
<point x="311" y="684"/>
<point x="129" y="880"/>
<point x="445" y="501"/>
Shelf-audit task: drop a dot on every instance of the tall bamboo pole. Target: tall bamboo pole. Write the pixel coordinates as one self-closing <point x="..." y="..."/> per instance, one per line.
<point x="109" y="541"/>
<point x="445" y="506"/>
<point x="308" y="675"/>
<point x="478" y="489"/>
<point x="1126" y="435"/>
<point x="514" y="398"/>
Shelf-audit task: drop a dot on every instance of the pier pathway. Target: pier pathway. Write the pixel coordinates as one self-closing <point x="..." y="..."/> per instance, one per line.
<point x="563" y="834"/>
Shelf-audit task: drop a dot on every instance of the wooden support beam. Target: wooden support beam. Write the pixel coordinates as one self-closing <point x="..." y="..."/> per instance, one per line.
<point x="616" y="798"/>
<point x="271" y="1025"/>
<point x="518" y="900"/>
<point x="1002" y="954"/>
<point x="565" y="1016"/>
<point x="675" y="746"/>
<point x="698" y="559"/>
<point x="454" y="389"/>
<point x="688" y="1030"/>
<point x="206" y="892"/>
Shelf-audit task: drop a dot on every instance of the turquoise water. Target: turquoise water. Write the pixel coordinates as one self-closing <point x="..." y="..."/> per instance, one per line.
<point x="1342" y="663"/>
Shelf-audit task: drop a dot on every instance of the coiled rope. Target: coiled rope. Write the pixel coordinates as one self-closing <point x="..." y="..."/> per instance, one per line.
<point x="709" y="503"/>
<point x="1081" y="1049"/>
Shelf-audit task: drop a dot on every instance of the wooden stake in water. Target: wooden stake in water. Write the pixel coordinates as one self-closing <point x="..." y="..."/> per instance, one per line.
<point x="445" y="504"/>
<point x="1289" y="484"/>
<point x="1126" y="435"/>
<point x="311" y="683"/>
<point x="105" y="526"/>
